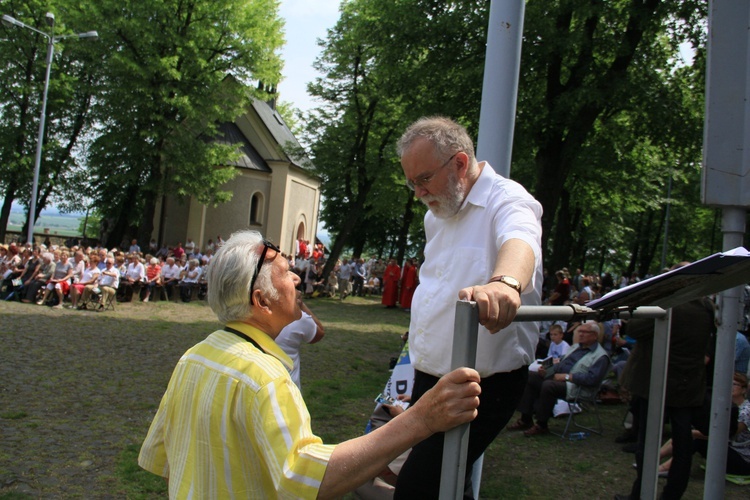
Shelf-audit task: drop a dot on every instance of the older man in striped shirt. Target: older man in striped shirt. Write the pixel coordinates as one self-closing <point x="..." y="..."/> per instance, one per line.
<point x="232" y="423"/>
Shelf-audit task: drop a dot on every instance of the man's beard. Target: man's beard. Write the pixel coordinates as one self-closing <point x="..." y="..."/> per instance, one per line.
<point x="449" y="203"/>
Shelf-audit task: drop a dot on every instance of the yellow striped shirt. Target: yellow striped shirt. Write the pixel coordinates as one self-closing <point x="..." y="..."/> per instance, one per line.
<point x="232" y="424"/>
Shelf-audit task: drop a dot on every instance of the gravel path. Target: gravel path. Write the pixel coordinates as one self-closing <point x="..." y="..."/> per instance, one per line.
<point x="77" y="387"/>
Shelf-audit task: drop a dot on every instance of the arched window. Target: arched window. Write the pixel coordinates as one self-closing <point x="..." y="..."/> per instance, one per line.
<point x="256" y="209"/>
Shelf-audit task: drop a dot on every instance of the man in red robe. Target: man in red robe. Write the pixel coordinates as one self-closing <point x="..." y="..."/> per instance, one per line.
<point x="390" y="283"/>
<point x="408" y="284"/>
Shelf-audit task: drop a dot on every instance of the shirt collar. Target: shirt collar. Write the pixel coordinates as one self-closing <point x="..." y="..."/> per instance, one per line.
<point x="480" y="192"/>
<point x="264" y="341"/>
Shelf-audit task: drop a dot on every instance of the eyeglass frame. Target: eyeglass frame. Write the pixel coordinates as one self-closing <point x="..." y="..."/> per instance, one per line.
<point x="266" y="245"/>
<point x="413" y="185"/>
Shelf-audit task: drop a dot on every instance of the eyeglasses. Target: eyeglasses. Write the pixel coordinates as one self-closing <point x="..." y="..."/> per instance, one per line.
<point x="425" y="179"/>
<point x="261" y="260"/>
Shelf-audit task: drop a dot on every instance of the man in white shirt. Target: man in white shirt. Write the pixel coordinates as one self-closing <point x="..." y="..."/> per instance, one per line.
<point x="190" y="280"/>
<point x="483" y="244"/>
<point x="345" y="276"/>
<point x="108" y="282"/>
<point x="170" y="276"/>
<point x="135" y="275"/>
<point x="307" y="329"/>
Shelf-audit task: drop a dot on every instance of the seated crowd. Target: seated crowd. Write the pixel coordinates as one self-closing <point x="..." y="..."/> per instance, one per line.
<point x="92" y="277"/>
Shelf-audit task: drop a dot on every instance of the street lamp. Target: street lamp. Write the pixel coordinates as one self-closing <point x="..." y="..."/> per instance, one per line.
<point x="51" y="40"/>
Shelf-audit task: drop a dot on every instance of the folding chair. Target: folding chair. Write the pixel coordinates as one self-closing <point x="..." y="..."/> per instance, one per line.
<point x="586" y="401"/>
<point x="110" y="304"/>
<point x="94" y="300"/>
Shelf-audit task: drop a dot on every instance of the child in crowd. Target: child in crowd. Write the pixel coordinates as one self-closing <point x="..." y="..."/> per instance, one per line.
<point x="557" y="346"/>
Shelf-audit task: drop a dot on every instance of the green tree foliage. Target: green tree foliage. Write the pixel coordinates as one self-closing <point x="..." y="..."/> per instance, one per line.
<point x="22" y="73"/>
<point x="164" y="91"/>
<point x="602" y="96"/>
<point x="606" y="115"/>
<point x="385" y="64"/>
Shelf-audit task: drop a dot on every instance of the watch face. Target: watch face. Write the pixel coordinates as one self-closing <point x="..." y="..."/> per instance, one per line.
<point x="511" y="281"/>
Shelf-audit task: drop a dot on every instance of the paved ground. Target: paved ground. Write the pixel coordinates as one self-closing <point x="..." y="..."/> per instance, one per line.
<point x="76" y="387"/>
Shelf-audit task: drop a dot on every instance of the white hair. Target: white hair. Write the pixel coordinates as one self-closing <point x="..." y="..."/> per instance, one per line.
<point x="594" y="326"/>
<point x="230" y="273"/>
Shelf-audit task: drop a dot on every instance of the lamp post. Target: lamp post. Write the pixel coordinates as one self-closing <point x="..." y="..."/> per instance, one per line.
<point x="51" y="40"/>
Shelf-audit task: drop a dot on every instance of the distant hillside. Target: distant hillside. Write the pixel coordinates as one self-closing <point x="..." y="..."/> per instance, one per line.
<point x="57" y="224"/>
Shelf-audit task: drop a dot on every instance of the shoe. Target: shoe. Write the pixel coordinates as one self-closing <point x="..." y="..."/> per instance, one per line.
<point x="145" y="300"/>
<point x="82" y="307"/>
<point x="630" y="447"/>
<point x="520" y="425"/>
<point x="58" y="306"/>
<point x="663" y="473"/>
<point x="536" y="430"/>
<point x="626" y="437"/>
<point x="39" y="302"/>
<point x="635" y="465"/>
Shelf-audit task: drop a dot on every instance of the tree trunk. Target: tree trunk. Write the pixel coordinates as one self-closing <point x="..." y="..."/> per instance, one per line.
<point x="10" y="192"/>
<point x="403" y="234"/>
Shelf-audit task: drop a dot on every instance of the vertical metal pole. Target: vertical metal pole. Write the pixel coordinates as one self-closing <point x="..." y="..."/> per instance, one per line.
<point x="40" y="139"/>
<point x="456" y="443"/>
<point x="733" y="227"/>
<point x="500" y="86"/>
<point x="656" y="394"/>
<point x="497" y="115"/>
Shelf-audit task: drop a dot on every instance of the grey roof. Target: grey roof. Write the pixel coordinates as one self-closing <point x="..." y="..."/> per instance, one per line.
<point x="229" y="133"/>
<point x="279" y="130"/>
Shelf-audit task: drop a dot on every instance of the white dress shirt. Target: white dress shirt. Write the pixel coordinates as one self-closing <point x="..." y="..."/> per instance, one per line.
<point x="461" y="252"/>
<point x="170" y="272"/>
<point x="291" y="338"/>
<point x="136" y="271"/>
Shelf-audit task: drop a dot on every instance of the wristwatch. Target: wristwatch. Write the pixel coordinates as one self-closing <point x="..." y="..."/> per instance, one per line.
<point x="507" y="280"/>
<point x="567" y="377"/>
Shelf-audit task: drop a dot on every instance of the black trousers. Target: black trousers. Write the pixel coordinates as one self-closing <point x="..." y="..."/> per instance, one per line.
<point x="501" y="392"/>
<point x="680" y="420"/>
<point x="541" y="395"/>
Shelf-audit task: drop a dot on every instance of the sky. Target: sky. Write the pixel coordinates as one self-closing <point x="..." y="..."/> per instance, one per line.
<point x="306" y="21"/>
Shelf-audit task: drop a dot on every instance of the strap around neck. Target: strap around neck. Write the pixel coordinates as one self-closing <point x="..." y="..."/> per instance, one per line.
<point x="242" y="335"/>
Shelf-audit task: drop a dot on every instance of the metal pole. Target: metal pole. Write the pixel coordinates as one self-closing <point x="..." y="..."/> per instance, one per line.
<point x="666" y="223"/>
<point x="40" y="139"/>
<point x="733" y="227"/>
<point x="500" y="86"/>
<point x="498" y="110"/>
<point x="656" y="393"/>
<point x="456" y="443"/>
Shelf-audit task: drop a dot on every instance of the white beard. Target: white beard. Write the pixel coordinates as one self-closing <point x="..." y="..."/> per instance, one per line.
<point x="450" y="202"/>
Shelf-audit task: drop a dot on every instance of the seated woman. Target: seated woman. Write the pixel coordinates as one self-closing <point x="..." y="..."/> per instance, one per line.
<point x="738" y="452"/>
<point x="153" y="277"/>
<point x="40" y="278"/>
<point x="23" y="274"/>
<point x="11" y="269"/>
<point x="90" y="276"/>
<point x="60" y="280"/>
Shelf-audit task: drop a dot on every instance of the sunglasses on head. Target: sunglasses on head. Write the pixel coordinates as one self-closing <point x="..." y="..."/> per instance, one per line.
<point x="261" y="260"/>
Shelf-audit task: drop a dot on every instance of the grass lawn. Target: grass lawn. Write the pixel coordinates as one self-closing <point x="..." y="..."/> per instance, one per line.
<point x="80" y="388"/>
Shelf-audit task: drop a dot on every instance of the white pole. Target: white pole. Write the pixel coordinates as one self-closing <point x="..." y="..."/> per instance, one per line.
<point x="733" y="227"/>
<point x="40" y="137"/>
<point x="497" y="115"/>
<point x="500" y="86"/>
